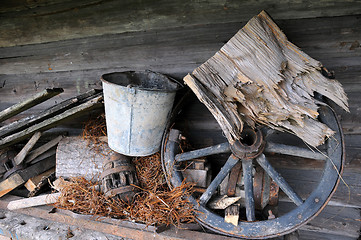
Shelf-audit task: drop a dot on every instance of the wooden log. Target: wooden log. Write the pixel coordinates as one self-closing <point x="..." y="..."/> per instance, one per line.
<point x="28" y="103"/>
<point x="17" y="179"/>
<point x="78" y="157"/>
<point x="51" y="122"/>
<point x="33" y="201"/>
<point x="50" y="112"/>
<point x="25" y="150"/>
<point x="40" y="150"/>
<point x="33" y="182"/>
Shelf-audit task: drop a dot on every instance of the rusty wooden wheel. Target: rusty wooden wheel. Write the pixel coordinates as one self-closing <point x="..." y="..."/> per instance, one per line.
<point x="254" y="152"/>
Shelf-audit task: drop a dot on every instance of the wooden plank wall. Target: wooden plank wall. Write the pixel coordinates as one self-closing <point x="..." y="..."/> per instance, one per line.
<point x="70" y="44"/>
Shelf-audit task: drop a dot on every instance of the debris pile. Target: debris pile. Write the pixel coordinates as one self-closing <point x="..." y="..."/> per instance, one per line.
<point x="154" y="204"/>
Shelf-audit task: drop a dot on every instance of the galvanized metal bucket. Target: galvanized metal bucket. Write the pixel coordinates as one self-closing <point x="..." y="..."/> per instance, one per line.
<point x="137" y="106"/>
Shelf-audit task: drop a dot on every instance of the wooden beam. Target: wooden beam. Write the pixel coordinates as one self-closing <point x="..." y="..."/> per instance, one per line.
<point x="51" y="122"/>
<point x="9" y="184"/>
<point x="18" y="159"/>
<point x="50" y="112"/>
<point x="40" y="150"/>
<point x="30" y="102"/>
<point x="33" y="201"/>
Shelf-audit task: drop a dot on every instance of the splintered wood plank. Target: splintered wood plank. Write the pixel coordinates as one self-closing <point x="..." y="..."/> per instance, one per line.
<point x="232" y="214"/>
<point x="51" y="122"/>
<point x="222" y="202"/>
<point x="258" y="76"/>
<point x="28" y="146"/>
<point x="30" y="102"/>
<point x="34" y="181"/>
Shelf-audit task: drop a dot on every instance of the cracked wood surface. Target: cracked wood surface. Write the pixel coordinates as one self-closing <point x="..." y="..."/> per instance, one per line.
<point x="259" y="76"/>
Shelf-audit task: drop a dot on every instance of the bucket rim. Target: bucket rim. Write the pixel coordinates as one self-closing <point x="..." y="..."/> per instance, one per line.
<point x="179" y="85"/>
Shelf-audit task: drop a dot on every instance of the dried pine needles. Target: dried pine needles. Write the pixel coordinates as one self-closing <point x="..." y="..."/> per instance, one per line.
<point x="155" y="203"/>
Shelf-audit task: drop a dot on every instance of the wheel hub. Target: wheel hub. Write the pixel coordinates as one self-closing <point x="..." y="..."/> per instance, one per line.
<point x="250" y="146"/>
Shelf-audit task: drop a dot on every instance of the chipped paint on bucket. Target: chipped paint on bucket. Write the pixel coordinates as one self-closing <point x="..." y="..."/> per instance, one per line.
<point x="137" y="107"/>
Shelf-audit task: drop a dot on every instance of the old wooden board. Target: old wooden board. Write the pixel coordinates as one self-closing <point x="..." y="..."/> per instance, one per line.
<point x="47" y="113"/>
<point x="339" y="222"/>
<point x="28" y="103"/>
<point x="70" y="20"/>
<point x="77" y="157"/>
<point x="45" y="199"/>
<point x="51" y="122"/>
<point x="40" y="150"/>
<point x="19" y="158"/>
<point x="109" y="228"/>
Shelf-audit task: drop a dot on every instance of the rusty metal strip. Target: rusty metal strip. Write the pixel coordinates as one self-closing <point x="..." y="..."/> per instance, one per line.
<point x="116" y="170"/>
<point x="233" y="178"/>
<point x="120" y="190"/>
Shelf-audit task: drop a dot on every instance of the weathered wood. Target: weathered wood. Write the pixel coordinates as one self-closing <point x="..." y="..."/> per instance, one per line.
<point x="78" y="157"/>
<point x="40" y="150"/>
<point x="113" y="226"/>
<point x="196" y="44"/>
<point x="273" y="86"/>
<point x="18" y="159"/>
<point x="44" y="155"/>
<point x="222" y="202"/>
<point x="197" y="176"/>
<point x="9" y="184"/>
<point x="49" y="123"/>
<point x="337" y="221"/>
<point x="33" y="201"/>
<point x="19" y="178"/>
<point x="128" y="16"/>
<point x="28" y="103"/>
<point x="232" y="214"/>
<point x="50" y="112"/>
<point x="33" y="182"/>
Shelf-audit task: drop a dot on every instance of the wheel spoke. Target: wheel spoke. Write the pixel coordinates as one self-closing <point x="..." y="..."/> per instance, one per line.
<point x="203" y="152"/>
<point x="232" y="160"/>
<point x="248" y="189"/>
<point x="294" y="151"/>
<point x="263" y="162"/>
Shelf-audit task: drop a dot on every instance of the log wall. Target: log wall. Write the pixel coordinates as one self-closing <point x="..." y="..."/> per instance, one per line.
<point x="70" y="44"/>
